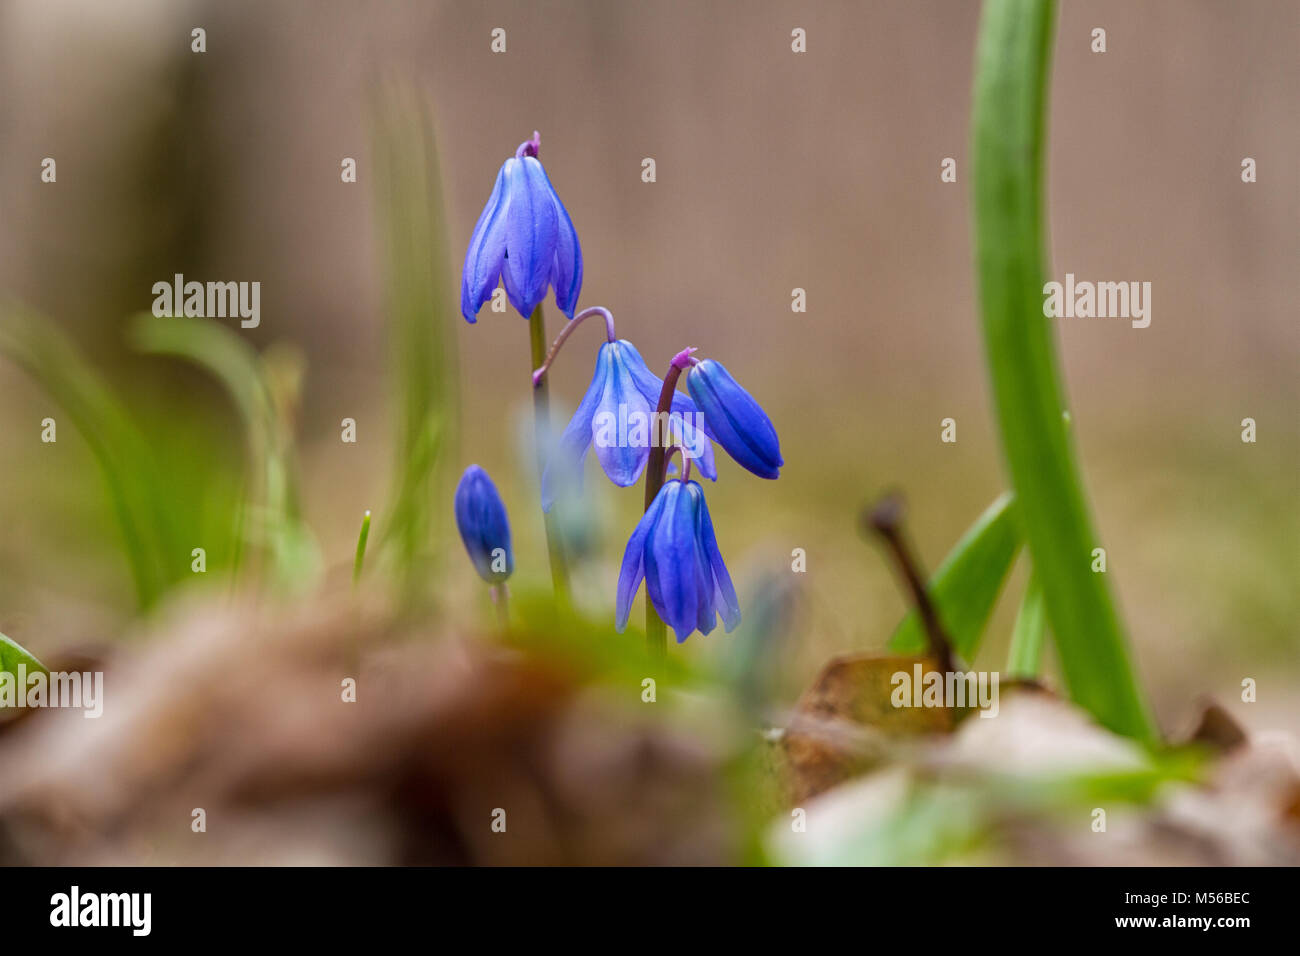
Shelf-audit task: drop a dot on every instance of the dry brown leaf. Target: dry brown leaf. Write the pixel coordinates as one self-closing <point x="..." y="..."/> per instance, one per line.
<point x="238" y="711"/>
<point x="845" y="722"/>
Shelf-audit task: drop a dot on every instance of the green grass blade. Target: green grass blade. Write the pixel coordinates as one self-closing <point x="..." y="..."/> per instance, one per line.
<point x="126" y="462"/>
<point x="360" y="558"/>
<point x="1009" y="117"/>
<point x="216" y="349"/>
<point x="422" y="303"/>
<point x="966" y="585"/>
<point x="1025" y="658"/>
<point x="12" y="654"/>
<point x="248" y="380"/>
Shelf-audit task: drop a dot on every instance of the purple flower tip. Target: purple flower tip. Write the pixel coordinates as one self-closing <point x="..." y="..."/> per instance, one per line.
<point x="529" y="147"/>
<point x="683" y="358"/>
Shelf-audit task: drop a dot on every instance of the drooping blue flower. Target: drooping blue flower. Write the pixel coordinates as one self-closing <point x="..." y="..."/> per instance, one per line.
<point x="525" y="237"/>
<point x="616" y="415"/>
<point x="481" y="519"/>
<point x="734" y="420"/>
<point x="674" y="549"/>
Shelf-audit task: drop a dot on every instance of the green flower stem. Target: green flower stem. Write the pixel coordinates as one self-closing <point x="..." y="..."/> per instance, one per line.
<point x="1011" y="99"/>
<point x="500" y="595"/>
<point x="542" y="430"/>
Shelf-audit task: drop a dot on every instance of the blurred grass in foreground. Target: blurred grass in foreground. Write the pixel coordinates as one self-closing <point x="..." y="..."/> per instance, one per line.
<point x="421" y="321"/>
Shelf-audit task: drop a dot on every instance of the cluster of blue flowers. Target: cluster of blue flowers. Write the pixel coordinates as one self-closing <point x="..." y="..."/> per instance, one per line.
<point x="525" y="239"/>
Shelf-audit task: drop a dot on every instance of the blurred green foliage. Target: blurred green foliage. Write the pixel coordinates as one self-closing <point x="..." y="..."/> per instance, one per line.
<point x="421" y="305"/>
<point x="1013" y="58"/>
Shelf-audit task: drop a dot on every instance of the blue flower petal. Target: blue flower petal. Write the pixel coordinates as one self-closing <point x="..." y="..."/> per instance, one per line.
<point x="622" y="456"/>
<point x="706" y="611"/>
<point x="486" y="253"/>
<point x="532" y="230"/>
<point x="695" y="436"/>
<point x="670" y="562"/>
<point x="727" y="603"/>
<point x="565" y="462"/>
<point x="566" y="272"/>
<point x="633" y="570"/>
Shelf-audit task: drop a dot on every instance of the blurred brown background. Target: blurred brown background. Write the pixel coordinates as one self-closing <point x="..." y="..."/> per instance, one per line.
<point x="775" y="171"/>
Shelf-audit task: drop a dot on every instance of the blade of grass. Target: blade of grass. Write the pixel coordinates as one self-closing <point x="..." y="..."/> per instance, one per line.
<point x="360" y="558"/>
<point x="421" y="322"/>
<point x="12" y="654"/>
<point x="1025" y="658"/>
<point x="965" y="586"/>
<point x="220" y="351"/>
<point x="126" y="463"/>
<point x="1011" y="82"/>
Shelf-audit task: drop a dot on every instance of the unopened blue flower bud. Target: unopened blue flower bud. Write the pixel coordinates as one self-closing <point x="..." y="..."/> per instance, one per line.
<point x="734" y="420"/>
<point x="481" y="520"/>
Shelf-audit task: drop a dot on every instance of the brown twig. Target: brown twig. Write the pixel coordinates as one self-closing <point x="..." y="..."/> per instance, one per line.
<point x="885" y="518"/>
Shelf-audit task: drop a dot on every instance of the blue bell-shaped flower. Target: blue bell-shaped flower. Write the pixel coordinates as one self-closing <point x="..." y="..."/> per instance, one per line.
<point x="525" y="237"/>
<point x="616" y="415"/>
<point x="674" y="549"/>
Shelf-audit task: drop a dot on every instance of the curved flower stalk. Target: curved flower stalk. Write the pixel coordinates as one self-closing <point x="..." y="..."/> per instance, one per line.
<point x="734" y="420"/>
<point x="676" y="552"/>
<point x="484" y="527"/>
<point x="617" y="415"/>
<point x="525" y="238"/>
